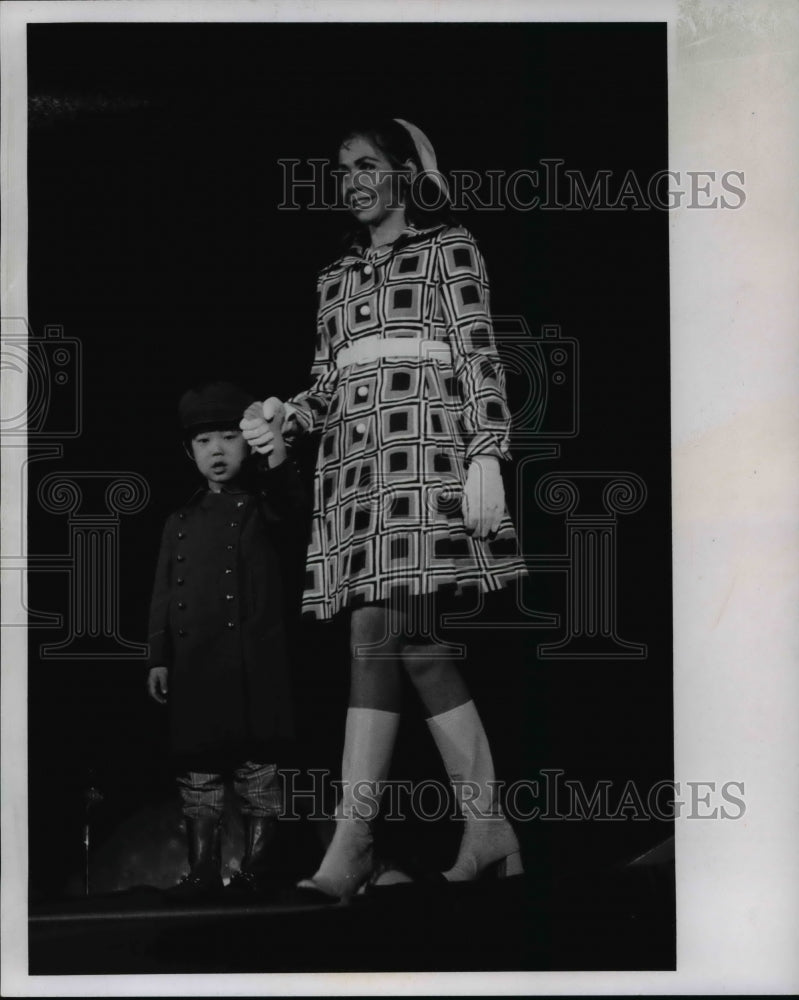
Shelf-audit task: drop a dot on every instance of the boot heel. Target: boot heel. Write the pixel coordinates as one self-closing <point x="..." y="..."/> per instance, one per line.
<point x="510" y="866"/>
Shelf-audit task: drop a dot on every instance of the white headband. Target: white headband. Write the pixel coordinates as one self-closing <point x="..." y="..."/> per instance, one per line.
<point x="427" y="155"/>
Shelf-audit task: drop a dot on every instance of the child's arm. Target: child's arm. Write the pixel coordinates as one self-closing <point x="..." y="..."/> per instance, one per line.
<point x="158" y="631"/>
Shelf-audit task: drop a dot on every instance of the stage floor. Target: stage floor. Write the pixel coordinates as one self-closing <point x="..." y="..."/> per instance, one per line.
<point x="619" y="918"/>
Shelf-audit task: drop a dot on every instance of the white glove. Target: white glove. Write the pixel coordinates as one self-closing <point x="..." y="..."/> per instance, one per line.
<point x="260" y="427"/>
<point x="273" y="408"/>
<point x="483" y="496"/>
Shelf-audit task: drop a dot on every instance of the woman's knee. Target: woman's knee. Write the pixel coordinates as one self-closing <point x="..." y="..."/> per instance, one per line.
<point x="371" y="637"/>
<point x="424" y="662"/>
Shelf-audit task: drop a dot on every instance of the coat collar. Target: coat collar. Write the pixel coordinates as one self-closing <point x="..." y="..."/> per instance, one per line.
<point x="203" y="491"/>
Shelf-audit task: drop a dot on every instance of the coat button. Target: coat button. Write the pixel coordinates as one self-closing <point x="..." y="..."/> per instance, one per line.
<point x="230" y="547"/>
<point x="234" y="524"/>
<point x="360" y="429"/>
<point x="230" y="624"/>
<point x="228" y="571"/>
<point x="239" y="503"/>
<point x="181" y="558"/>
<point x="182" y="633"/>
<point x="230" y="597"/>
<point x="181" y="605"/>
<point x="180" y="581"/>
<point x="182" y="516"/>
<point x="363" y="392"/>
<point x="368" y="270"/>
<point x="364" y="310"/>
<point x="181" y="534"/>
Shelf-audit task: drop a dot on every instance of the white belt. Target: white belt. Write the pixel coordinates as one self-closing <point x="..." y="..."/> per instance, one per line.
<point x="375" y="347"/>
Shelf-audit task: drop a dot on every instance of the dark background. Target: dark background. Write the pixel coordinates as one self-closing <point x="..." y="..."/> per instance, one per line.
<point x="155" y="239"/>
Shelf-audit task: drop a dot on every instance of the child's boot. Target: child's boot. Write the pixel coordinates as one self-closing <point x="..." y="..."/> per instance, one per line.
<point x="204" y="879"/>
<point x="259" y="793"/>
<point x="256" y="876"/>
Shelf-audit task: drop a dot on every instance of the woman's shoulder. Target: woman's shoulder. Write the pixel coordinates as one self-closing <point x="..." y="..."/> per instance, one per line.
<point x="345" y="259"/>
<point x="455" y="233"/>
<point x="458" y="252"/>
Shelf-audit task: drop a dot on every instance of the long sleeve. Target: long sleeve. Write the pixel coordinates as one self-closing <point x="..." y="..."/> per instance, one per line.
<point x="284" y="491"/>
<point x="285" y="508"/>
<point x="310" y="407"/>
<point x="158" y="629"/>
<point x="464" y="296"/>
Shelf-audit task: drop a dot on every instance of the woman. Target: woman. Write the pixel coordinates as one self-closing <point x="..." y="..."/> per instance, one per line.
<point x="409" y="506"/>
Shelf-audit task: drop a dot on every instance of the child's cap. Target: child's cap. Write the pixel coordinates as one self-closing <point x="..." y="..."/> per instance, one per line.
<point x="215" y="403"/>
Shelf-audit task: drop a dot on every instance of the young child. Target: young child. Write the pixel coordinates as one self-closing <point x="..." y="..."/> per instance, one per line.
<point x="218" y="654"/>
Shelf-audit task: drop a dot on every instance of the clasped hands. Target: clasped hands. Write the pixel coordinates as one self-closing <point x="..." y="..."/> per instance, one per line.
<point x="262" y="428"/>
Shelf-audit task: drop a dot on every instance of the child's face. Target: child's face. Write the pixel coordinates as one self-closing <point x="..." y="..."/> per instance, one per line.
<point x="219" y="455"/>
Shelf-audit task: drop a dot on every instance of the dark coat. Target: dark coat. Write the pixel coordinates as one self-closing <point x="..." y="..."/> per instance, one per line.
<point x="217" y="620"/>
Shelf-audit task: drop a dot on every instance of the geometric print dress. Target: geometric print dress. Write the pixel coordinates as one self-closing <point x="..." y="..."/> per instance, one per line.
<point x="398" y="432"/>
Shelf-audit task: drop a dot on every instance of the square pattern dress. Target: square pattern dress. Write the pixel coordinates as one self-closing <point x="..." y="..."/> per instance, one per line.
<point x="398" y="432"/>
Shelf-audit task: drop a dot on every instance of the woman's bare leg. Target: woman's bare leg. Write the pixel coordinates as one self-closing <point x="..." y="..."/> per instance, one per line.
<point x="375" y="660"/>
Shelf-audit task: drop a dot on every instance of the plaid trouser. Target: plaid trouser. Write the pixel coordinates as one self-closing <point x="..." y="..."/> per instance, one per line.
<point x="256" y="786"/>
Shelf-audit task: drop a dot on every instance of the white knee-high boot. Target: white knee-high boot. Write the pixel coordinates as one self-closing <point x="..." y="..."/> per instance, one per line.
<point x="369" y="738"/>
<point x="488" y="838"/>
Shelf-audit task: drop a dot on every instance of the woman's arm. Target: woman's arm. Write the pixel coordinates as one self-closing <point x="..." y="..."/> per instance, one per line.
<point x="464" y="295"/>
<point x="308" y="409"/>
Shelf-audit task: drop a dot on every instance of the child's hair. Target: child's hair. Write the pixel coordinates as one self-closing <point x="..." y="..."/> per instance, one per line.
<point x="425" y="203"/>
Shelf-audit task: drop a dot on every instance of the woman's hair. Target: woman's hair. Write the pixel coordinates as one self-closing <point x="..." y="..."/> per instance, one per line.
<point x="425" y="204"/>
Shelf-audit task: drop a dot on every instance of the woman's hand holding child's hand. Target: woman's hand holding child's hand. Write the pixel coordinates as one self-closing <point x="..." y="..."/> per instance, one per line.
<point x="261" y="428"/>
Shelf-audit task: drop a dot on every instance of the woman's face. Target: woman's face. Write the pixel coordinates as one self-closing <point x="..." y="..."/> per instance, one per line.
<point x="370" y="184"/>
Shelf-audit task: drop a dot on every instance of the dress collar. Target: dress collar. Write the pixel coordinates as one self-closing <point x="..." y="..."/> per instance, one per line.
<point x="358" y="250"/>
